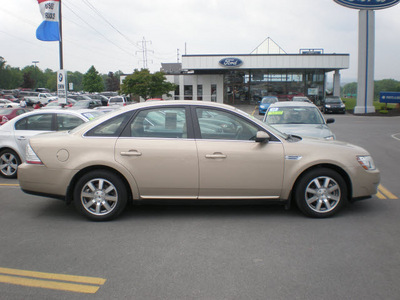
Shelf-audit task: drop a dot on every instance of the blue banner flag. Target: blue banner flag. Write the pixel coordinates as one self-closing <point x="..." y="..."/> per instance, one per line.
<point x="49" y="30"/>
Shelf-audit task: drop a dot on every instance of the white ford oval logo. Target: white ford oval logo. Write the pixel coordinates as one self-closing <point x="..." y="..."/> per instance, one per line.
<point x="231" y="62"/>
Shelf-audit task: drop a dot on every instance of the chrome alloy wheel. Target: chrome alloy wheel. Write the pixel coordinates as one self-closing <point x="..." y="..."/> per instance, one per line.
<point x="99" y="196"/>
<point x="322" y="194"/>
<point x="8" y="164"/>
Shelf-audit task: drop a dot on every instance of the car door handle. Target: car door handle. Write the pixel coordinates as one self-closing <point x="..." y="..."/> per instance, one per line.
<point x="216" y="155"/>
<point x="131" y="153"/>
<point x="21" y="138"/>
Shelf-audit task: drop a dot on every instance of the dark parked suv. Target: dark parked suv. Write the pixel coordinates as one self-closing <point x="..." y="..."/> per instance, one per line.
<point x="333" y="104"/>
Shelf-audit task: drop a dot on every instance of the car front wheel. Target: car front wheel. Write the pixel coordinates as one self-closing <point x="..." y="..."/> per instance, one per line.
<point x="100" y="195"/>
<point x="320" y="193"/>
<point x="9" y="162"/>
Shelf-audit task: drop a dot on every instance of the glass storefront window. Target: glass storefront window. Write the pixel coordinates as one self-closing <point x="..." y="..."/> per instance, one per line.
<point x="253" y="85"/>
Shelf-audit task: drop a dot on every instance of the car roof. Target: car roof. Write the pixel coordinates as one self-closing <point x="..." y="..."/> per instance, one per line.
<point x="292" y="104"/>
<point x="150" y="104"/>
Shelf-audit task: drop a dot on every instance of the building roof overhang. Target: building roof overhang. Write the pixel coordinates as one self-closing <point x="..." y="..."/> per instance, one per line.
<point x="326" y="62"/>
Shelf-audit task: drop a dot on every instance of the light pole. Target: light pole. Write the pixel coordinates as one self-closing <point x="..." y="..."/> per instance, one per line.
<point x="36" y="62"/>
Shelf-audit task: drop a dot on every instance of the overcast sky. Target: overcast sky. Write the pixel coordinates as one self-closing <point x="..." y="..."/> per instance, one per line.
<point x="109" y="34"/>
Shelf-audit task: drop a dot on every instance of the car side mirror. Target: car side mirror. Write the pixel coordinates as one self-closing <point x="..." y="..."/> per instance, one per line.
<point x="262" y="137"/>
<point x="259" y="102"/>
<point x="329" y="121"/>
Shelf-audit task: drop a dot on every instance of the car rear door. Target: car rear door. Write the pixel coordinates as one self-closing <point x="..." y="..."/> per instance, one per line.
<point x="158" y="151"/>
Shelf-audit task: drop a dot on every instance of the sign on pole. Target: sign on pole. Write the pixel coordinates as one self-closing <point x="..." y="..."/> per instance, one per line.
<point x="62" y="86"/>
<point x="389" y="97"/>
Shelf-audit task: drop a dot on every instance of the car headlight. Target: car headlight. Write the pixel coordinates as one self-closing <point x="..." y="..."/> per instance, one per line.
<point x="330" y="137"/>
<point x="366" y="162"/>
<point x="328" y="106"/>
<point x="342" y="105"/>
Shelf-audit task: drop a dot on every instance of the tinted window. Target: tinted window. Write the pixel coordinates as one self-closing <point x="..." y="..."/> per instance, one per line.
<point x="160" y="123"/>
<point x="111" y="127"/>
<point x="68" y="122"/>
<point x="215" y="124"/>
<point x="41" y="122"/>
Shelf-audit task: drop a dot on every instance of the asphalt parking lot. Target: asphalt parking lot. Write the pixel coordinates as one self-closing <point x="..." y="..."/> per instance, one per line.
<point x="48" y="251"/>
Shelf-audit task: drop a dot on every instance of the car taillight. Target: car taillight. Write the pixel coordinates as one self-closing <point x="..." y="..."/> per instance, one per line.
<point x="31" y="157"/>
<point x="4" y="119"/>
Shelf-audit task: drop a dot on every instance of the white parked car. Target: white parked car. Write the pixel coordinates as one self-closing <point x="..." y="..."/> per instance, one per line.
<point x="299" y="118"/>
<point x="4" y="103"/>
<point x="15" y="134"/>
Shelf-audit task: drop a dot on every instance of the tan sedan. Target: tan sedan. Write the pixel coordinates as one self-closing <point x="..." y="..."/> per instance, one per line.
<point x="192" y="150"/>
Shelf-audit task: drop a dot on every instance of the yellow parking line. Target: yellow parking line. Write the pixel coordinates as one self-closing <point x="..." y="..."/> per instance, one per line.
<point x="47" y="280"/>
<point x="385" y="192"/>
<point x="70" y="287"/>
<point x="9" y="184"/>
<point x="379" y="195"/>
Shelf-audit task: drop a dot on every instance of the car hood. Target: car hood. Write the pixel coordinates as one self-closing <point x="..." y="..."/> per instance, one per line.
<point x="308" y="130"/>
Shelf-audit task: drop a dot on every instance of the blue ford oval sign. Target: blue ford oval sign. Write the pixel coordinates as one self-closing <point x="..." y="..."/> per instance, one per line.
<point x="231" y="61"/>
<point x="367" y="4"/>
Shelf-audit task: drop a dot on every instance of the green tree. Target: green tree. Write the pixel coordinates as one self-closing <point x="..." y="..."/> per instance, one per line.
<point x="92" y="81"/>
<point x="112" y="82"/>
<point x="386" y="85"/>
<point x="10" y="78"/>
<point x="146" y="85"/>
<point x="350" y="89"/>
<point x="28" y="81"/>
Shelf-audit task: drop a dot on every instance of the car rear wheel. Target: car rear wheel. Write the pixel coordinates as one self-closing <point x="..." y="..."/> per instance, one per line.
<point x="100" y="195"/>
<point x="320" y="193"/>
<point x="9" y="162"/>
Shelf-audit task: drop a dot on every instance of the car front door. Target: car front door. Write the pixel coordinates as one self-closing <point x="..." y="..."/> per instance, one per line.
<point x="156" y="149"/>
<point x="231" y="164"/>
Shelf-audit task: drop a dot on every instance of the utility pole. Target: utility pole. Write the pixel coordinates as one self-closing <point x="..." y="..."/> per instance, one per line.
<point x="35" y="62"/>
<point x="144" y="52"/>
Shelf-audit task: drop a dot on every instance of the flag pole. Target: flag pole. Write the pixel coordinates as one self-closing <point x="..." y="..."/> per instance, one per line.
<point x="60" y="42"/>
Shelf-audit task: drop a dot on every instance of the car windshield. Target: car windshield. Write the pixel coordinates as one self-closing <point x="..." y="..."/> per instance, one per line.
<point x="294" y="115"/>
<point x="92" y="114"/>
<point x="333" y="100"/>
<point x="269" y="100"/>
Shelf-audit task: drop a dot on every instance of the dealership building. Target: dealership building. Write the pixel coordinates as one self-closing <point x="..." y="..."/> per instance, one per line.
<point x="246" y="78"/>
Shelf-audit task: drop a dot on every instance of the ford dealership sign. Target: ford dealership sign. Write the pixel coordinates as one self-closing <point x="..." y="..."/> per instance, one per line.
<point x="367" y="4"/>
<point x="231" y="61"/>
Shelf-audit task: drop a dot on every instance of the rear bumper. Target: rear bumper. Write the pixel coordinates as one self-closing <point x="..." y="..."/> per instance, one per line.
<point x="41" y="181"/>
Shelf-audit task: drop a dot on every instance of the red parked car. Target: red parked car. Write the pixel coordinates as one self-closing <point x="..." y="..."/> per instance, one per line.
<point x="10" y="97"/>
<point x="6" y="114"/>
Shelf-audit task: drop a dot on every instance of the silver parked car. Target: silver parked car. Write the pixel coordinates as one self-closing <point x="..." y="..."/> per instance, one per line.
<point x="15" y="134"/>
<point x="192" y="150"/>
<point x="299" y="118"/>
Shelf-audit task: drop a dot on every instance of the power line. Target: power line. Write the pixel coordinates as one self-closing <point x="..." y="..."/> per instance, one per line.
<point x="112" y="42"/>
<point x="109" y="23"/>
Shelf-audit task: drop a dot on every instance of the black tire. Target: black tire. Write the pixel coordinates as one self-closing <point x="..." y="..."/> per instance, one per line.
<point x="320" y="193"/>
<point x="100" y="195"/>
<point x="9" y="162"/>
